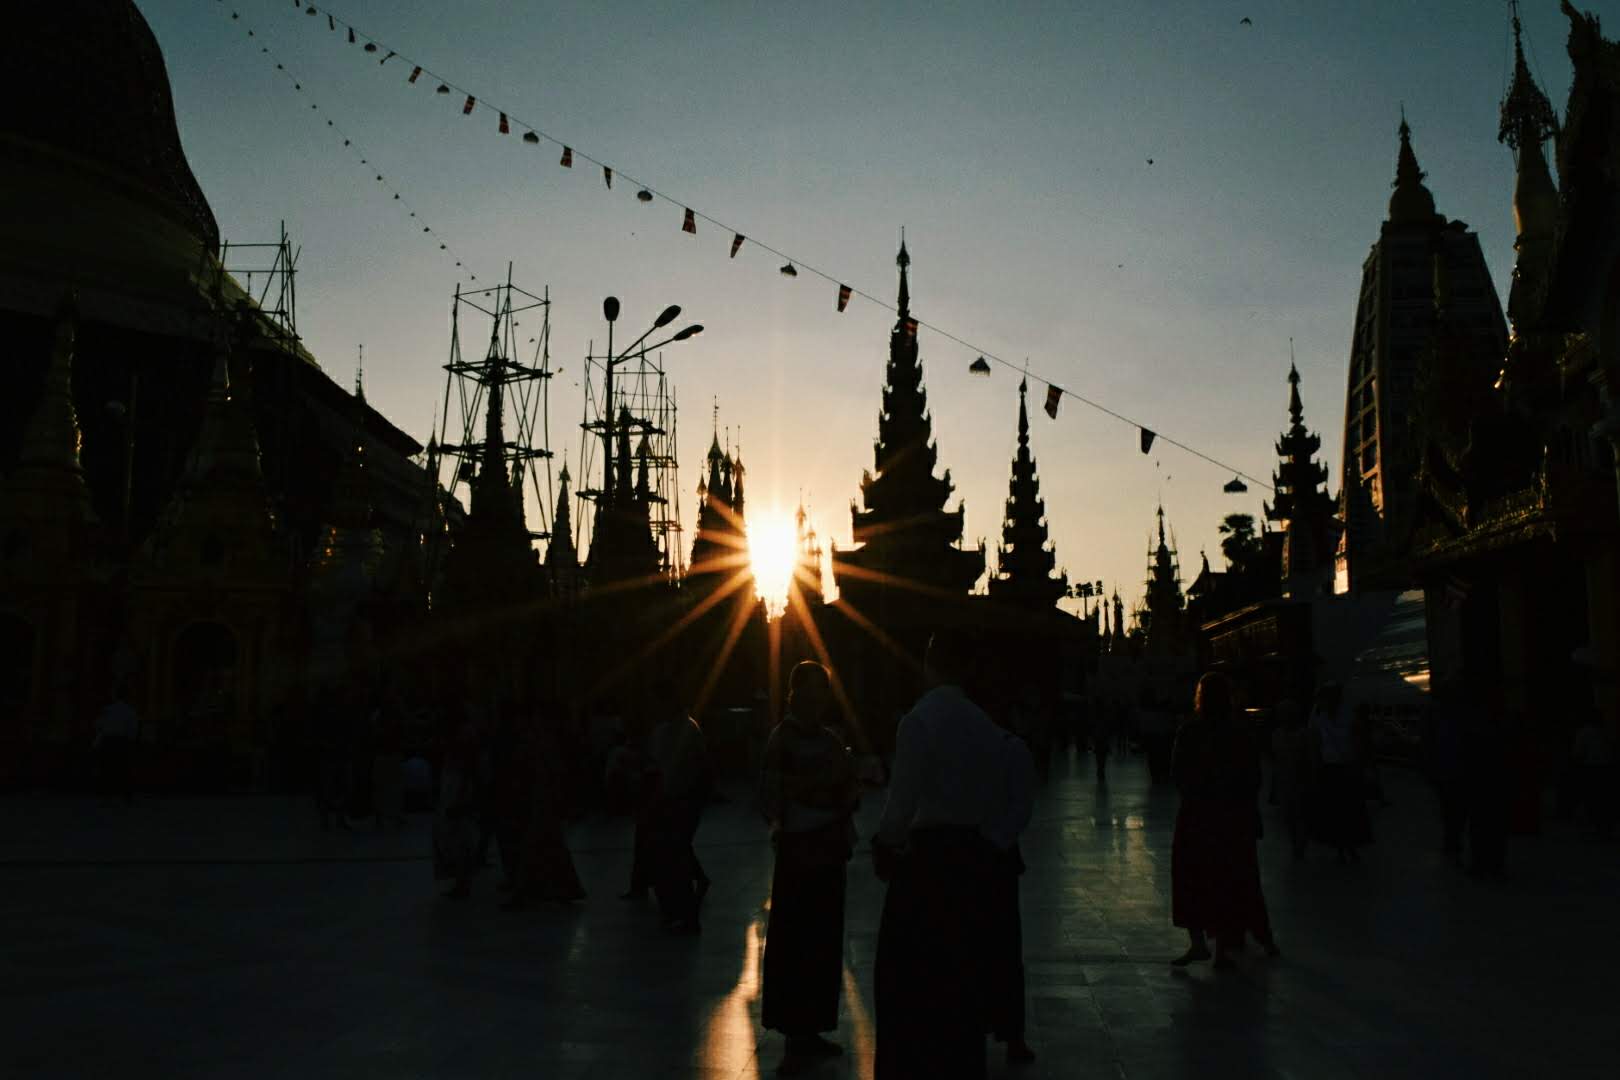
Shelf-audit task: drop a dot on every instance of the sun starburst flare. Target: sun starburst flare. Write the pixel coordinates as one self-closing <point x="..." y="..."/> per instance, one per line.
<point x="773" y="553"/>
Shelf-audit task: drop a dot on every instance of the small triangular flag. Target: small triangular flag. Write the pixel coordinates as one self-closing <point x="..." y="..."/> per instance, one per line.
<point x="416" y="73"/>
<point x="506" y="129"/>
<point x="371" y="46"/>
<point x="843" y="297"/>
<point x="736" y="243"/>
<point x="1053" y="396"/>
<point x="351" y="35"/>
<point x="690" y="223"/>
<point x="530" y="137"/>
<point x="390" y="56"/>
<point x="607" y="176"/>
<point x="1147" y="440"/>
<point x="467" y="108"/>
<point x="567" y="159"/>
<point x="331" y="23"/>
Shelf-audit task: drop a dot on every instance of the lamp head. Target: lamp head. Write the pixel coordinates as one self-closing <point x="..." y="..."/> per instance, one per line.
<point x="691" y="331"/>
<point x="667" y="316"/>
<point x="610" y="309"/>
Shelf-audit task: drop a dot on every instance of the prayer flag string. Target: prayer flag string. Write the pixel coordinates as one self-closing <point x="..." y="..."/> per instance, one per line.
<point x="646" y="193"/>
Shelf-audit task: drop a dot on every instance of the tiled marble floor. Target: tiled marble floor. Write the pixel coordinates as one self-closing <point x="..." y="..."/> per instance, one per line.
<point x="186" y="938"/>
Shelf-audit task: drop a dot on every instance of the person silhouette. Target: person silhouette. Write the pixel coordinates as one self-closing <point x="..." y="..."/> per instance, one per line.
<point x="936" y="937"/>
<point x="808" y="792"/>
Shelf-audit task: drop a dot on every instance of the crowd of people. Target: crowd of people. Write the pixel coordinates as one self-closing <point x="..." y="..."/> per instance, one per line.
<point x="959" y="795"/>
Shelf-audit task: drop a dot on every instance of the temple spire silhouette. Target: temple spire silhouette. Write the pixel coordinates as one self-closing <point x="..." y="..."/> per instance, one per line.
<point x="1025" y="559"/>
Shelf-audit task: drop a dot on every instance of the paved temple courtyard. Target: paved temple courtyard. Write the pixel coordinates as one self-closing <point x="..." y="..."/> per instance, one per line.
<point x="231" y="938"/>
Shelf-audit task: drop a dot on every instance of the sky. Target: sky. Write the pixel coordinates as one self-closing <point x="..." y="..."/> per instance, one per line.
<point x="1013" y="143"/>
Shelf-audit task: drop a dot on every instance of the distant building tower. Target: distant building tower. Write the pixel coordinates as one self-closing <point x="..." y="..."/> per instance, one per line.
<point x="1302" y="504"/>
<point x="1025" y="560"/>
<point x="562" y="558"/>
<point x="1164" y="607"/>
<point x="1394" y="334"/>
<point x="721" y="543"/>
<point x="906" y="535"/>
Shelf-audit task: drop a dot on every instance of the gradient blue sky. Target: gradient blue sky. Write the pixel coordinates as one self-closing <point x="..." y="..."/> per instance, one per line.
<point x="1011" y="141"/>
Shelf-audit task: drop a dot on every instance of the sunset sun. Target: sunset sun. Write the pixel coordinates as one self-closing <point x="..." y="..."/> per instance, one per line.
<point x="772" y="553"/>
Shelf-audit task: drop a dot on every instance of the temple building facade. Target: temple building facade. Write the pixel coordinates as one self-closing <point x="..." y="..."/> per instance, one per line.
<point x="186" y="508"/>
<point x="1396" y="327"/>
<point x="1517" y="541"/>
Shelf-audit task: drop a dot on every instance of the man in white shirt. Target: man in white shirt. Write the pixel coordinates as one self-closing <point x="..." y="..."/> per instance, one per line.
<point x="948" y="795"/>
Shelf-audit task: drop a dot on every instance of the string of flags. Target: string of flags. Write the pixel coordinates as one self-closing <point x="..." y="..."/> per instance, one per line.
<point x="535" y="135"/>
<point x="349" y="142"/>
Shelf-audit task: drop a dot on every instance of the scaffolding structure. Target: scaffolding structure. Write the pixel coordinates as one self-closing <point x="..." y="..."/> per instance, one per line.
<point x="524" y="390"/>
<point x="277" y="295"/>
<point x="641" y="388"/>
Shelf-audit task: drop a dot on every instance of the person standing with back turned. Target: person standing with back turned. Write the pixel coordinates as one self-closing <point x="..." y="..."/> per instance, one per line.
<point x="808" y="793"/>
<point x="936" y="938"/>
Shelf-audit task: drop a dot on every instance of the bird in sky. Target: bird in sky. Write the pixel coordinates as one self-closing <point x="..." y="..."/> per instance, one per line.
<point x="1245" y="21"/>
<point x="1150" y="161"/>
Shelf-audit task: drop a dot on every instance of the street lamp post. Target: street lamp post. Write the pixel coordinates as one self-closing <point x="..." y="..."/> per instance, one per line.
<point x="610" y="311"/>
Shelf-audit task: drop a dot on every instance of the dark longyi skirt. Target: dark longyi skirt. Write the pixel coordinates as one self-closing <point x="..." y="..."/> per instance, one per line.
<point x="934" y="956"/>
<point x="804" y="942"/>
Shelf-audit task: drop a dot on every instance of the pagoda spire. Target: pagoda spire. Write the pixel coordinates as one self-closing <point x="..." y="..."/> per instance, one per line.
<point x="903" y="261"/>
<point x="1411" y="203"/>
<point x="1527" y="122"/>
<point x="46" y="517"/>
<point x="1025" y="558"/>
<point x="904" y="530"/>
<point x="1301" y="502"/>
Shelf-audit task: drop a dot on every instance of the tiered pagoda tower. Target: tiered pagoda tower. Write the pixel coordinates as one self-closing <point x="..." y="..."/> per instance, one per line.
<point x="1164" y="608"/>
<point x="1302" y="504"/>
<point x="908" y="542"/>
<point x="1025" y="559"/>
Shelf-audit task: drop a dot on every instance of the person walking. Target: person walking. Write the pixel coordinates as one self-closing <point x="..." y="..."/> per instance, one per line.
<point x="1214" y="867"/>
<point x="808" y="793"/>
<point x="388" y="767"/>
<point x="1007" y="997"/>
<point x="683" y="784"/>
<point x="1340" y="795"/>
<point x="936" y="935"/>
<point x="455" y="830"/>
<point x="545" y="869"/>
<point x="1291" y="771"/>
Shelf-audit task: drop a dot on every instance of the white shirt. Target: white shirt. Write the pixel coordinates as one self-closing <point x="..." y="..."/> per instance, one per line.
<point x="1017" y="793"/>
<point x="948" y="768"/>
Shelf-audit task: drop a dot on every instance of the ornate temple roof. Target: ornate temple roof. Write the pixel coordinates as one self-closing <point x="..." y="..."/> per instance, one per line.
<point x="1025" y="559"/>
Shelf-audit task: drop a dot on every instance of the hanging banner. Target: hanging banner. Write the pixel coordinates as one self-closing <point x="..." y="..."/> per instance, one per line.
<point x="843" y="297"/>
<point x="1147" y="440"/>
<point x="911" y="327"/>
<point x="567" y="159"/>
<point x="466" y="109"/>
<point x="1053" y="396"/>
<point x="607" y="176"/>
<point x="416" y="73"/>
<point x="689" y="224"/>
<point x="351" y="35"/>
<point x="736" y="242"/>
<point x="506" y="129"/>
